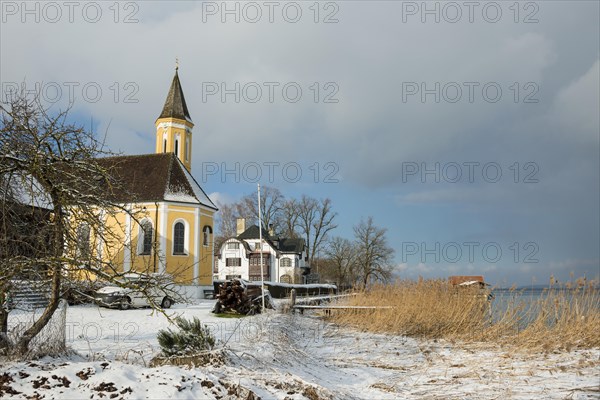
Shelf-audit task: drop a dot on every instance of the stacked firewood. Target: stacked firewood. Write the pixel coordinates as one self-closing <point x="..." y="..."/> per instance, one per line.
<point x="239" y="297"/>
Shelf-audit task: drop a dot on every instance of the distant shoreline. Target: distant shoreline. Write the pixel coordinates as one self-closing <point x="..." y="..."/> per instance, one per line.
<point x="540" y="288"/>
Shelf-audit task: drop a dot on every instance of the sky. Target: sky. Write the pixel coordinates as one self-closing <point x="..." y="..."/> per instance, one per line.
<point x="469" y="130"/>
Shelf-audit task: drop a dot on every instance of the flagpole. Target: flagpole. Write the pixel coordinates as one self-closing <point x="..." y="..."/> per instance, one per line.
<point x="262" y="277"/>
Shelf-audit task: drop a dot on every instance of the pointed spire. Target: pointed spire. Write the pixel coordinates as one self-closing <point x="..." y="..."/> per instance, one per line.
<point x="175" y="106"/>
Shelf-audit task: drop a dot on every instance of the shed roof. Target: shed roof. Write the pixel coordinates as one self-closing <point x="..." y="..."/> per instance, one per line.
<point x="465" y="279"/>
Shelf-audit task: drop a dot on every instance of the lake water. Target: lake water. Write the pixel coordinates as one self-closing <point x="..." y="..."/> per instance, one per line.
<point x="527" y="302"/>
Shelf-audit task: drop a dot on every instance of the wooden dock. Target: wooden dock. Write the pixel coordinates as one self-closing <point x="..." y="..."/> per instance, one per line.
<point x="316" y="303"/>
<point x="328" y="308"/>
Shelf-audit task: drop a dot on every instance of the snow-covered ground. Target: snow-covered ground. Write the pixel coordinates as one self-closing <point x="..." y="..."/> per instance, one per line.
<point x="284" y="356"/>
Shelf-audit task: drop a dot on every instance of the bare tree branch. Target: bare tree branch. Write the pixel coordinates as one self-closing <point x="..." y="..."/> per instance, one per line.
<point x="316" y="220"/>
<point x="52" y="184"/>
<point x="374" y="256"/>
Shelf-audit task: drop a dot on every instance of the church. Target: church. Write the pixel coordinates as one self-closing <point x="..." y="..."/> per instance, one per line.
<point x="170" y="229"/>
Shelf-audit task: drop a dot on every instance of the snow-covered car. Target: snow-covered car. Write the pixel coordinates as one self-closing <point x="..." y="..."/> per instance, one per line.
<point x="141" y="288"/>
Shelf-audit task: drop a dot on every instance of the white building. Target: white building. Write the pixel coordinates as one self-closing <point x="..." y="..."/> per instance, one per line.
<point x="239" y="257"/>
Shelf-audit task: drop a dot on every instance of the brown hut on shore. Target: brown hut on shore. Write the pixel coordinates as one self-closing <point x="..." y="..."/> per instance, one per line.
<point x="467" y="280"/>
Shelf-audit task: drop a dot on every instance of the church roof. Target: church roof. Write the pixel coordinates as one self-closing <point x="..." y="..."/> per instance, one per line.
<point x="153" y="177"/>
<point x="175" y="106"/>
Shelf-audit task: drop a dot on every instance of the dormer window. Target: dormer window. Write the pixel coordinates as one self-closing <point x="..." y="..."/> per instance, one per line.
<point x="286" y="262"/>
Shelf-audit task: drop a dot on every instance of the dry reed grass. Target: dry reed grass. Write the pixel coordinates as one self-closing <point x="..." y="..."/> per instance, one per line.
<point x="558" y="319"/>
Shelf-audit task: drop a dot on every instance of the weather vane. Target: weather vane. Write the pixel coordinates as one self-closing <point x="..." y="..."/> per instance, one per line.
<point x="176" y="63"/>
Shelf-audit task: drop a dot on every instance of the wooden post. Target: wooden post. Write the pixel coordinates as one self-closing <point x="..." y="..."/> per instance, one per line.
<point x="293" y="299"/>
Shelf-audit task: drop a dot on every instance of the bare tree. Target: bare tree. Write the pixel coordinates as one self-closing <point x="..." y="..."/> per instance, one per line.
<point x="56" y="156"/>
<point x="373" y="255"/>
<point x="18" y="241"/>
<point x="316" y="220"/>
<point x="341" y="258"/>
<point x="271" y="203"/>
<point x="226" y="226"/>
<point x="226" y="220"/>
<point x="244" y="210"/>
<point x="49" y="158"/>
<point x="289" y="219"/>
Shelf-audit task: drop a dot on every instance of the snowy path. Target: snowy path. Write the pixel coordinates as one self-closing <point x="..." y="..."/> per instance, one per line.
<point x="280" y="356"/>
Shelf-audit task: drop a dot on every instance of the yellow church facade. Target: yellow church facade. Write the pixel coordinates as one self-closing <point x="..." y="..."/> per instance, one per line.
<point x="169" y="223"/>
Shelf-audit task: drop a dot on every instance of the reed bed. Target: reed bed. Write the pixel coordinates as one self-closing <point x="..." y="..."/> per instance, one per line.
<point x="555" y="319"/>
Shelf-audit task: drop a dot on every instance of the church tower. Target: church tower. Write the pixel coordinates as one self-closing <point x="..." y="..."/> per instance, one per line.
<point x="174" y="125"/>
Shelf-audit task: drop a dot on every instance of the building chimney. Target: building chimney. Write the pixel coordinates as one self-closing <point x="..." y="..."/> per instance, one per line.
<point x="271" y="230"/>
<point x="240" y="226"/>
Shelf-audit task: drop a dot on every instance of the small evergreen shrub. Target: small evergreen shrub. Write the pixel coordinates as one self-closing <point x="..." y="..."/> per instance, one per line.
<point x="191" y="338"/>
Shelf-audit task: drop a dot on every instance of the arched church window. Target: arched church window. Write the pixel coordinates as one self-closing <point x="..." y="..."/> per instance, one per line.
<point x="177" y="147"/>
<point x="145" y="236"/>
<point x="207" y="231"/>
<point x="164" y="145"/>
<point x="83" y="241"/>
<point x="179" y="239"/>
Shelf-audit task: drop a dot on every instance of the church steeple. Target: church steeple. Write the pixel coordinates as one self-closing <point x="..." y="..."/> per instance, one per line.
<point x="175" y="106"/>
<point x="174" y="125"/>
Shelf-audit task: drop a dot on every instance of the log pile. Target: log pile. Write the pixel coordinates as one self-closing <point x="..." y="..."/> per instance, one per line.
<point x="240" y="297"/>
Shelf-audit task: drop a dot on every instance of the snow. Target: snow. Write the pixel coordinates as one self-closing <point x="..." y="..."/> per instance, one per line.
<point x="307" y="286"/>
<point x="183" y="196"/>
<point x="28" y="190"/>
<point x="198" y="192"/>
<point x="469" y="283"/>
<point x="290" y="285"/>
<point x="179" y="197"/>
<point x="292" y="356"/>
